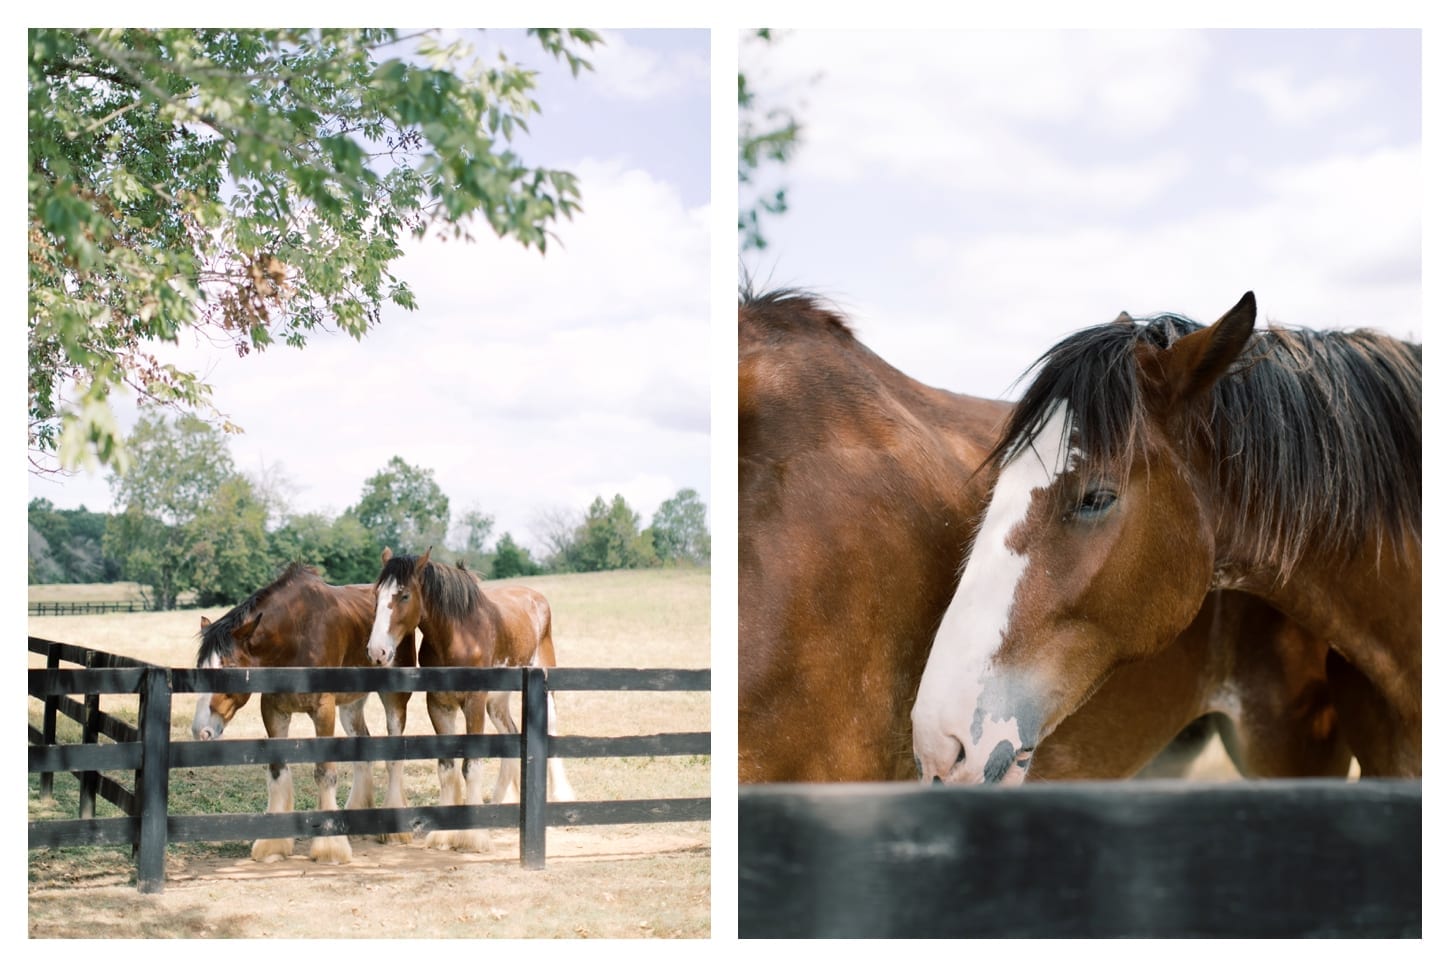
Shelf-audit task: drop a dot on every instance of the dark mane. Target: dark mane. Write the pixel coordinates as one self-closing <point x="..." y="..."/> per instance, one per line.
<point x="452" y="592"/>
<point x="216" y="638"/>
<point x="783" y="311"/>
<point x="1315" y="434"/>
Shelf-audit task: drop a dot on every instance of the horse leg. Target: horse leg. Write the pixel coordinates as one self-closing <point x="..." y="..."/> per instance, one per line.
<point x="328" y="849"/>
<point x="1369" y="722"/>
<point x="506" y="789"/>
<point x="473" y="840"/>
<point x="559" y="787"/>
<point x="279" y="784"/>
<point x="395" y="704"/>
<point x="450" y="783"/>
<point x="355" y="723"/>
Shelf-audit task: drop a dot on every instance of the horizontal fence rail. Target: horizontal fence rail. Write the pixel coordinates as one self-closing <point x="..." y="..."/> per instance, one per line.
<point x="85" y="607"/>
<point x="1281" y="858"/>
<point x="149" y="751"/>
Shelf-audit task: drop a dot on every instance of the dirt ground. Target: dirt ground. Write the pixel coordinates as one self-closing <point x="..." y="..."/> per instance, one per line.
<point x="623" y="881"/>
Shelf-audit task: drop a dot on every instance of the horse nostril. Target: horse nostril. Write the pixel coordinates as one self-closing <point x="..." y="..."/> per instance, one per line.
<point x="936" y="781"/>
<point x="961" y="755"/>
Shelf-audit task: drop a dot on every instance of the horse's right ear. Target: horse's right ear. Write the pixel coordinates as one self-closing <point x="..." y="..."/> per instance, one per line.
<point x="244" y="630"/>
<point x="1194" y="363"/>
<point x="423" y="561"/>
<point x="205" y="623"/>
<point x="387" y="554"/>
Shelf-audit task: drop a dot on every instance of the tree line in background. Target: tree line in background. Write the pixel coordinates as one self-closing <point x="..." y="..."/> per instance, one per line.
<point x="190" y="522"/>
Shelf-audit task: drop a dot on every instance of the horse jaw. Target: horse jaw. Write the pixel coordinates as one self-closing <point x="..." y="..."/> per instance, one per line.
<point x="974" y="721"/>
<point x="383" y="647"/>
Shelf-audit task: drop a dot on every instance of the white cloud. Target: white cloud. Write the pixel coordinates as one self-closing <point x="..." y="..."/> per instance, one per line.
<point x="633" y="73"/>
<point x="522" y="381"/>
<point x="1299" y="101"/>
<point x="1335" y="243"/>
<point x="964" y="110"/>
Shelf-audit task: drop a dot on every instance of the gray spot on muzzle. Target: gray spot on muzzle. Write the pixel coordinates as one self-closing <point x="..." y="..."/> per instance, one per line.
<point x="998" y="762"/>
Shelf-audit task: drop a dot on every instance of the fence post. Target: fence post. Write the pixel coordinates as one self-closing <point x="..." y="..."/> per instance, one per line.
<point x="47" y="723"/>
<point x="152" y="780"/>
<point x="534" y="778"/>
<point x="90" y="735"/>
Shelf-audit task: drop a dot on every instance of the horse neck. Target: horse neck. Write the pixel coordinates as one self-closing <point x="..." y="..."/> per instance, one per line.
<point x="1365" y="602"/>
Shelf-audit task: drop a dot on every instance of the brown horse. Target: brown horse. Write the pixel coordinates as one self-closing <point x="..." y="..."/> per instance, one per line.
<point x="299" y="620"/>
<point x="1151" y="464"/>
<point x="464" y="625"/>
<point x="859" y="492"/>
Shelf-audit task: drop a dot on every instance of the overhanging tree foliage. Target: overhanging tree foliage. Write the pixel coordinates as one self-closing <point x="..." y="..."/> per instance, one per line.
<point x="254" y="184"/>
<point x="766" y="134"/>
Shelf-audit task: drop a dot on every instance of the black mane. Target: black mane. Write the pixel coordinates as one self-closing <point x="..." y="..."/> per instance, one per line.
<point x="1315" y="434"/>
<point x="216" y="638"/>
<point x="452" y="592"/>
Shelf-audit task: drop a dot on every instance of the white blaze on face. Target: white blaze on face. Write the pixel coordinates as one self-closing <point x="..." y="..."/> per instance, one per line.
<point x="381" y="645"/>
<point x="960" y="667"/>
<point x="206" y="724"/>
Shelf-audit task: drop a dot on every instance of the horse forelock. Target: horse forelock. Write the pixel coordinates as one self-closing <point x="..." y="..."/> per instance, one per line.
<point x="452" y="593"/>
<point x="1315" y="435"/>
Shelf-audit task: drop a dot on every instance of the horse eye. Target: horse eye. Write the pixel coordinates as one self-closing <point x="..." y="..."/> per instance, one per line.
<point x="1095" y="503"/>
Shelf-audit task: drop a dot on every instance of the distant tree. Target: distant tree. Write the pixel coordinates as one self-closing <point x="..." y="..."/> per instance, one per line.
<point x="65" y="545"/>
<point x="176" y="471"/>
<point x="227" y="545"/>
<point x="510" y="560"/>
<point x="340" y="548"/>
<point x="255" y="185"/>
<point x="558" y="528"/>
<point x="469" y="537"/>
<point x="681" y="534"/>
<point x="610" y="538"/>
<point x="403" y="507"/>
<point x="43" y="568"/>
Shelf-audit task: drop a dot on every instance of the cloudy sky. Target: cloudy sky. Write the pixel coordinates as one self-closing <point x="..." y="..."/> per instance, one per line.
<point x="968" y="197"/>
<point x="525" y="383"/>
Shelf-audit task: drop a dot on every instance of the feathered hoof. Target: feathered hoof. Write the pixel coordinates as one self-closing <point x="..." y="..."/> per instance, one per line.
<point x="396" y="839"/>
<point x="332" y="849"/>
<point x="271" y="850"/>
<point x="439" y="839"/>
<point x="471" y="841"/>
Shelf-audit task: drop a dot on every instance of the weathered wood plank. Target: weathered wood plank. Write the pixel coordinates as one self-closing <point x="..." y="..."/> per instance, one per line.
<point x="1150" y="859"/>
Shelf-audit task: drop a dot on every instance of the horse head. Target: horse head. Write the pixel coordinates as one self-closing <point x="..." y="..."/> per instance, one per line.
<point x="399" y="604"/>
<point x="1097" y="548"/>
<point x="214" y="710"/>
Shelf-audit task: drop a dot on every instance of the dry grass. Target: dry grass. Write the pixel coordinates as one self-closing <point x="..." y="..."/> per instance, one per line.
<point x="630" y="881"/>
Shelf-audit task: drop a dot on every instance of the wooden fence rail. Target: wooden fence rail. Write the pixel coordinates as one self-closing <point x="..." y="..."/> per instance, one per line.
<point x="150" y="752"/>
<point x="1311" y="858"/>
<point x="85" y="607"/>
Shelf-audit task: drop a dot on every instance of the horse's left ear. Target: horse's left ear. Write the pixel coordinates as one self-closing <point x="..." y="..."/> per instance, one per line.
<point x="1194" y="363"/>
<point x="244" y="630"/>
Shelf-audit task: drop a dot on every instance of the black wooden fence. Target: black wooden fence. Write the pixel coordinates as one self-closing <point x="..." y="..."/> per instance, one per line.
<point x="85" y="607"/>
<point x="1145" y="859"/>
<point x="149" y="751"/>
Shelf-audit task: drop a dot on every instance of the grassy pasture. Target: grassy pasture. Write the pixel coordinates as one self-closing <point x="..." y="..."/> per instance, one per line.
<point x="641" y="880"/>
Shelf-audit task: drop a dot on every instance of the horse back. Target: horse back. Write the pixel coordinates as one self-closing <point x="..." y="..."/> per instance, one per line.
<point x="857" y="494"/>
<point x="525" y="626"/>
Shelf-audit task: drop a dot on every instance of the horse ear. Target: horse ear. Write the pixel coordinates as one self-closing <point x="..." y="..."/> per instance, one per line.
<point x="1194" y="363"/>
<point x="244" y="630"/>
<point x="1123" y="319"/>
<point x="423" y="561"/>
<point x="205" y="622"/>
<point x="387" y="554"/>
